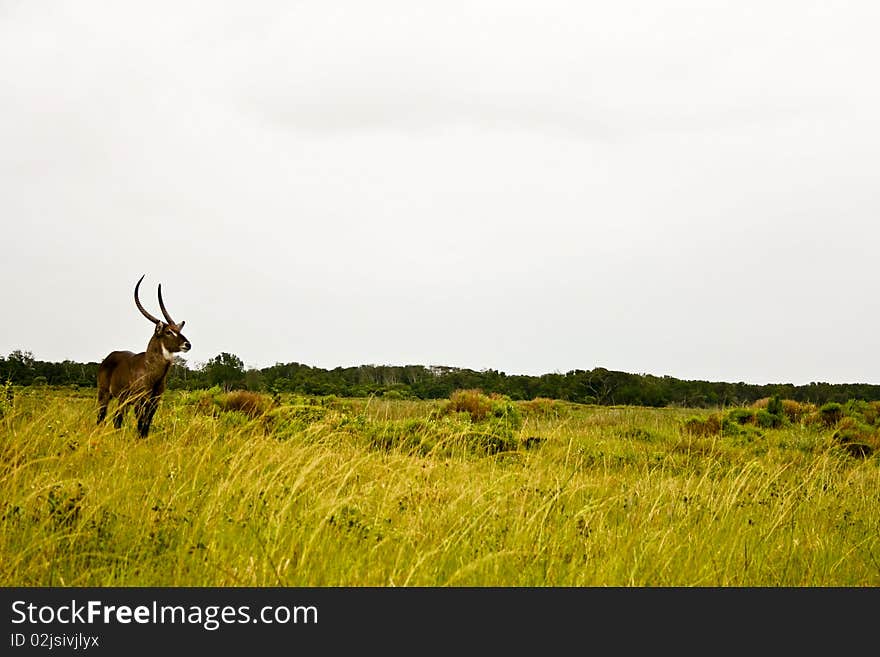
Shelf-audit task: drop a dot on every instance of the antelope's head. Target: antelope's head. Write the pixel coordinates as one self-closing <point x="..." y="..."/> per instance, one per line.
<point x="168" y="333"/>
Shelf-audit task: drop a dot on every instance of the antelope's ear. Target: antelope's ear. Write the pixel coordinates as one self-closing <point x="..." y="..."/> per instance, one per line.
<point x="180" y="326"/>
<point x="159" y="328"/>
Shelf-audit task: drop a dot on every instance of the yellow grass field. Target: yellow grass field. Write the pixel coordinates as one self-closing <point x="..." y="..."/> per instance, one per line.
<point x="372" y="492"/>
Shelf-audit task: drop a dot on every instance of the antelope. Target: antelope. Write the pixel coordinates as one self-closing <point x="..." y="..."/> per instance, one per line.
<point x="139" y="379"/>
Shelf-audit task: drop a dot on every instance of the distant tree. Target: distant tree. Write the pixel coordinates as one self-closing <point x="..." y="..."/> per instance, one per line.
<point x="225" y="370"/>
<point x="20" y="367"/>
<point x="597" y="386"/>
<point x="179" y="374"/>
<point x="253" y="380"/>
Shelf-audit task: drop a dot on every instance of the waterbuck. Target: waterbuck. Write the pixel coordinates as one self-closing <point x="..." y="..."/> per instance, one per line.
<point x="139" y="379"/>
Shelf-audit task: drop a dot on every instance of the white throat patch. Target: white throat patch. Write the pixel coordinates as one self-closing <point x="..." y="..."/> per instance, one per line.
<point x="167" y="355"/>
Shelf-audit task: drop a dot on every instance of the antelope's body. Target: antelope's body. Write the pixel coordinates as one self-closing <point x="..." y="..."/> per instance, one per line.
<point x="138" y="380"/>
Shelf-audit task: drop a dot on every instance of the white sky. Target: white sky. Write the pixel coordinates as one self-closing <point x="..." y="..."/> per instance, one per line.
<point x="681" y="188"/>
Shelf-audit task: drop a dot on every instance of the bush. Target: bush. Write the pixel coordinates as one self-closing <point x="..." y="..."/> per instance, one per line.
<point x="473" y="402"/>
<point x="770" y="412"/>
<point x="872" y="413"/>
<point x="767" y="420"/>
<point x="741" y="416"/>
<point x="698" y="426"/>
<point x="287" y="421"/>
<point x="850" y="430"/>
<point x="541" y="407"/>
<point x="505" y="412"/>
<point x="489" y="440"/>
<point x="856" y="438"/>
<point x="415" y="435"/>
<point x="252" y="404"/>
<point x="214" y="402"/>
<point x="774" y="406"/>
<point x="866" y="412"/>
<point x="483" y="408"/>
<point x="831" y="413"/>
<point x="205" y="401"/>
<point x="452" y="433"/>
<point x="493" y="420"/>
<point x="789" y="409"/>
<point x="797" y="411"/>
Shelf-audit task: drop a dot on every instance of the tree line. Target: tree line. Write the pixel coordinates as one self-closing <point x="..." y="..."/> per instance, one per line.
<point x="596" y="386"/>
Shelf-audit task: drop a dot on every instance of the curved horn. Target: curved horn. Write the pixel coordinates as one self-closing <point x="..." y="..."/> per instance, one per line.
<point x="138" y="302"/>
<point x="162" y="306"/>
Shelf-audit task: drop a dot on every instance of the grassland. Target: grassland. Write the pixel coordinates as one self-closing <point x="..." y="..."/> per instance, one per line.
<point x="330" y="492"/>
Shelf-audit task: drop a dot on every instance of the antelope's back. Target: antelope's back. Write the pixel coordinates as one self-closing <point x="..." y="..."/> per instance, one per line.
<point x="110" y="364"/>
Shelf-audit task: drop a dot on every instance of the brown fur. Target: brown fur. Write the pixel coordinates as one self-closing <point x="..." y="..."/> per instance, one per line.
<point x="138" y="380"/>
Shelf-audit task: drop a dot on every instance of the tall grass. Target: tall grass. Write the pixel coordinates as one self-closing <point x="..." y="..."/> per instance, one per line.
<point x="329" y="492"/>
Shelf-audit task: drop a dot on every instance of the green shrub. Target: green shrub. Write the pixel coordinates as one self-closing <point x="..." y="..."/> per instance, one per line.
<point x="412" y="435"/>
<point x="872" y="413"/>
<point x="699" y="426"/>
<point x="850" y="430"/>
<point x="866" y="412"/>
<point x="741" y="416"/>
<point x="770" y="412"/>
<point x="789" y="409"/>
<point x="285" y="421"/>
<point x="214" y="401"/>
<point x="856" y="438"/>
<point x="505" y="412"/>
<point x="796" y="411"/>
<point x="491" y="421"/>
<point x="252" y="404"/>
<point x="473" y="402"/>
<point x="441" y="435"/>
<point x="489" y="439"/>
<point x="498" y="409"/>
<point x="831" y="413"/>
<point x="542" y="407"/>
<point x="767" y="420"/>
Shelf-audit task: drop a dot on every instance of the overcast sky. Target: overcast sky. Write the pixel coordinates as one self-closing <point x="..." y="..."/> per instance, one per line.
<point x="680" y="188"/>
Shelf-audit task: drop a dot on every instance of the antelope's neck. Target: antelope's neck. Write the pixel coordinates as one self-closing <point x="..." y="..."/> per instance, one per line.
<point x="157" y="351"/>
